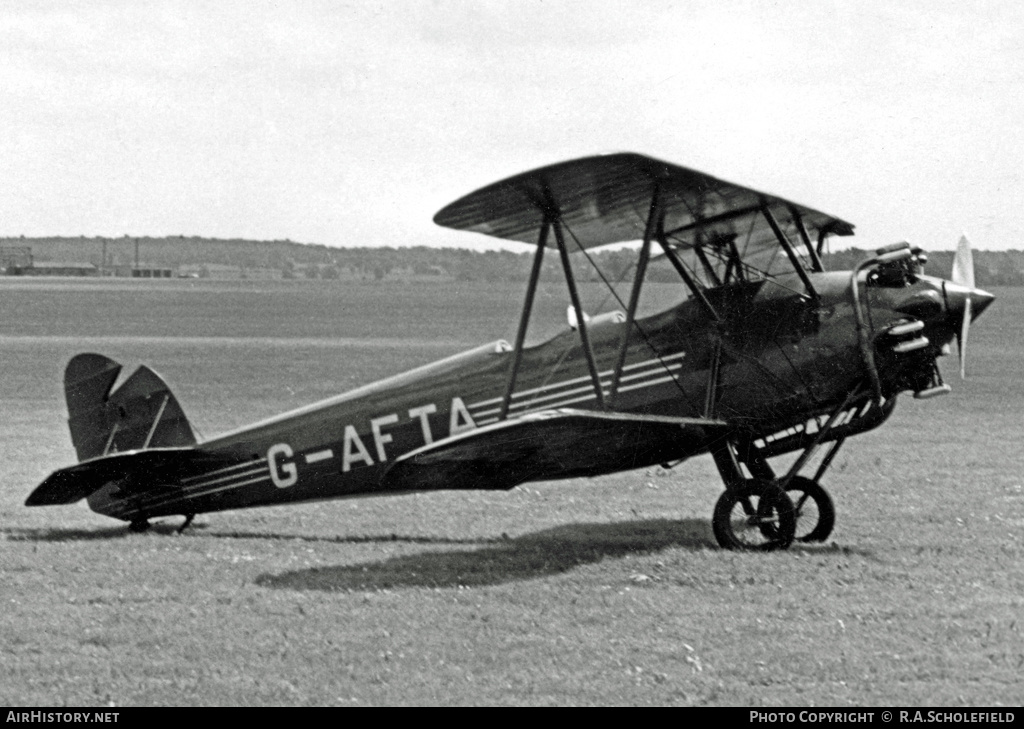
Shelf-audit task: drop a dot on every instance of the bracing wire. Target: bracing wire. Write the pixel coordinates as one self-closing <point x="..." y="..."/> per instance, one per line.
<point x="636" y="323"/>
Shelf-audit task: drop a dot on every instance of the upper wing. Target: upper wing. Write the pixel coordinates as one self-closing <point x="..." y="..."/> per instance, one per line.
<point x="606" y="199"/>
<point x="548" y="445"/>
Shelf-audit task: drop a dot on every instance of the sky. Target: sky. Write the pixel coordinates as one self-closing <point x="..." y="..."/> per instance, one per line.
<point x="353" y="123"/>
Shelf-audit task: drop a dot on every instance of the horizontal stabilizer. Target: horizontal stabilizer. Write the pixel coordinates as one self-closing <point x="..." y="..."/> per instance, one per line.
<point x="133" y="471"/>
<point x="553" y="444"/>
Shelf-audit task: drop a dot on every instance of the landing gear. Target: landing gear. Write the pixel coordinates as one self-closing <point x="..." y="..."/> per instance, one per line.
<point x="188" y="521"/>
<point x="767" y="512"/>
<point x="754" y="515"/>
<point x="814" y="511"/>
<point x="138" y="526"/>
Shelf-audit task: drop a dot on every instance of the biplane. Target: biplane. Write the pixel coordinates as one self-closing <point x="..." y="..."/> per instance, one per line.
<point x="765" y="354"/>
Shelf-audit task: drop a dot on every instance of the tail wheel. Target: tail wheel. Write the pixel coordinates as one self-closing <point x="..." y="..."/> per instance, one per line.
<point x="815" y="513"/>
<point x="755" y="515"/>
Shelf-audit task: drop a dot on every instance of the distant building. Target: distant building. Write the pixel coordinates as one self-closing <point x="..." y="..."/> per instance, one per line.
<point x="14" y="257"/>
<point x="140" y="271"/>
<point x="152" y="273"/>
<point x="55" y="268"/>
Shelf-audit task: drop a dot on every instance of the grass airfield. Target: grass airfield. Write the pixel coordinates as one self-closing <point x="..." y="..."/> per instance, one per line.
<point x="592" y="591"/>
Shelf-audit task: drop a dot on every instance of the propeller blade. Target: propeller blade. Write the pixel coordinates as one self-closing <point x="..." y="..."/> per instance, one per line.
<point x="961" y="339"/>
<point x="963" y="274"/>
<point x="963" y="264"/>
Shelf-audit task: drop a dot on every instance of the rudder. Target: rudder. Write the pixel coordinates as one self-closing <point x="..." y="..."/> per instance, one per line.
<point x="141" y="413"/>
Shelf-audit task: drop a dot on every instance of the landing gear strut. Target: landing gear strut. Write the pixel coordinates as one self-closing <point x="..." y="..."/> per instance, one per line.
<point x="188" y="521"/>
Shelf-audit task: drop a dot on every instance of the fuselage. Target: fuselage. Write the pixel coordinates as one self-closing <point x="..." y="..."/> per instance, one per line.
<point x="780" y="356"/>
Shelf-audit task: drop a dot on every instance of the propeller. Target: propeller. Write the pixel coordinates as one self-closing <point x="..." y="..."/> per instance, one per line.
<point x="963" y="274"/>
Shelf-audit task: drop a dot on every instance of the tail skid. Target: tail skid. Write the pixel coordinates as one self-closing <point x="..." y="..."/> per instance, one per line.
<point x="141" y="413"/>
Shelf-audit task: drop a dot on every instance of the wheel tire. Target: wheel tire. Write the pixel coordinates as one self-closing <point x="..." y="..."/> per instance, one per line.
<point x="808" y="529"/>
<point x="754" y="516"/>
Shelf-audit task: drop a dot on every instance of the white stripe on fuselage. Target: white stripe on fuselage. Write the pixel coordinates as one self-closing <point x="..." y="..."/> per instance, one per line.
<point x="225" y="469"/>
<point x="519" y="407"/>
<point x="575" y="380"/>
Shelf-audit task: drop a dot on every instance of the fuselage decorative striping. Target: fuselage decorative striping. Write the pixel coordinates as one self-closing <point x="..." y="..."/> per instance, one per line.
<point x="522" y="406"/>
<point x="586" y="378"/>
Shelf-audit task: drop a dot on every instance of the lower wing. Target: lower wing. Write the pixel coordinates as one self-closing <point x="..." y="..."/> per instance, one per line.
<point x="553" y="444"/>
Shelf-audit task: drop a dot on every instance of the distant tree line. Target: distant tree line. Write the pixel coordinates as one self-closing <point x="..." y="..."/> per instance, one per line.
<point x="299" y="260"/>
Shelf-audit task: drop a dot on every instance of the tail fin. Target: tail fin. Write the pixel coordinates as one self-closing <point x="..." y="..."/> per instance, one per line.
<point x="141" y="413"/>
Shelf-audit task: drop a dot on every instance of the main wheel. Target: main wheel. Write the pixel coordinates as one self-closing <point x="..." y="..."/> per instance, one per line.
<point x="756" y="515"/>
<point x="815" y="513"/>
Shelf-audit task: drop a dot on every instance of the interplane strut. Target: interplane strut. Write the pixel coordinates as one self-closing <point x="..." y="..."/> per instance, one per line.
<point x="524" y="319"/>
<point x="581" y="324"/>
<point x="654" y="220"/>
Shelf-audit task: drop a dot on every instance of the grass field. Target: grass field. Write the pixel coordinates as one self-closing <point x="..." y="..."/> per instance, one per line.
<point x="602" y="591"/>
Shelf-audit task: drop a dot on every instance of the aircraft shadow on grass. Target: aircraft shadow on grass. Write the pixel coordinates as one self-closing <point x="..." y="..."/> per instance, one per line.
<point x="548" y="552"/>
<point x="58" y="534"/>
<point x="498" y="560"/>
<point x="170" y="528"/>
